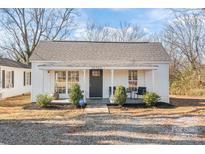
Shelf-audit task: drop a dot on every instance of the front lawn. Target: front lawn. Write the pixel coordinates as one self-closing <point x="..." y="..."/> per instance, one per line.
<point x="23" y="123"/>
<point x="21" y="108"/>
<point x="183" y="106"/>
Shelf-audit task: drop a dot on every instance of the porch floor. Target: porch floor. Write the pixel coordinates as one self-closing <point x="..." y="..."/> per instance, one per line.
<point x="98" y="101"/>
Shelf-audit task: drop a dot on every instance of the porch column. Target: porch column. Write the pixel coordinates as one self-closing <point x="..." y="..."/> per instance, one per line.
<point x="84" y="86"/>
<point x="43" y="88"/>
<point x="112" y="82"/>
<point x="153" y="80"/>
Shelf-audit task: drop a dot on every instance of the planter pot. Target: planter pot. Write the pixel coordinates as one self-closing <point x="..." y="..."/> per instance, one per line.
<point x="112" y="99"/>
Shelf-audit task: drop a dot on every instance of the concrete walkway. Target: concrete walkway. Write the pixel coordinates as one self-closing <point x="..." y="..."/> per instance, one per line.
<point x="96" y="108"/>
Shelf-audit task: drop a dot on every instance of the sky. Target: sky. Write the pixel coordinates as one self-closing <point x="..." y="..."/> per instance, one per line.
<point x="150" y="20"/>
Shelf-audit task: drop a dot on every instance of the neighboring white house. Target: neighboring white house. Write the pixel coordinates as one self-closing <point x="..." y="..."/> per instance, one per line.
<point x="99" y="67"/>
<point x="15" y="78"/>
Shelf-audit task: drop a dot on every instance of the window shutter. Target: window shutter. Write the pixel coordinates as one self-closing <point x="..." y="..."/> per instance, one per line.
<point x="30" y="78"/>
<point x="3" y="78"/>
<point x="24" y="78"/>
<point x="12" y="78"/>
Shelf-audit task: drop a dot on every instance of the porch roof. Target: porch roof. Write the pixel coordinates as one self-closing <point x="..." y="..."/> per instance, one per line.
<point x="96" y="65"/>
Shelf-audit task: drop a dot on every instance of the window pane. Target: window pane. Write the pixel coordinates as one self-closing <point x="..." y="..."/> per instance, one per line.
<point x="73" y="77"/>
<point x="8" y="80"/>
<point x="95" y="73"/>
<point x="132" y="77"/>
<point x="60" y="85"/>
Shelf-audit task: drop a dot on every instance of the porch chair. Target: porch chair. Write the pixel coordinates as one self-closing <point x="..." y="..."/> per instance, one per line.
<point x="141" y="91"/>
<point x="55" y="95"/>
<point x="129" y="91"/>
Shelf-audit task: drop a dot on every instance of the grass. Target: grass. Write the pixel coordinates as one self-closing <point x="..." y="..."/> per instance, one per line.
<point x="184" y="106"/>
<point x="16" y="108"/>
<point x="21" y="108"/>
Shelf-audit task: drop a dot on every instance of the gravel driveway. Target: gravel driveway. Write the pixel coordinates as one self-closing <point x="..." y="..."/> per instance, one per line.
<point x="105" y="129"/>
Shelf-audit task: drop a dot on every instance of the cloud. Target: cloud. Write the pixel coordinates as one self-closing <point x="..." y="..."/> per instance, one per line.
<point x="156" y="15"/>
<point x="146" y="30"/>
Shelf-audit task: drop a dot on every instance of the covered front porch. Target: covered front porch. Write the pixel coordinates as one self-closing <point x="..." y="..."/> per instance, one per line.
<point x="97" y="83"/>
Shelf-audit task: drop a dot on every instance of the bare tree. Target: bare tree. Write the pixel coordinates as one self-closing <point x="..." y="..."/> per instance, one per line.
<point x="94" y="32"/>
<point x="125" y="33"/>
<point x="129" y="33"/>
<point x="24" y="28"/>
<point x="186" y="37"/>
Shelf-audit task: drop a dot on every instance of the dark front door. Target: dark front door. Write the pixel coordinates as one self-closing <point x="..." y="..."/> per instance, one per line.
<point x="96" y="81"/>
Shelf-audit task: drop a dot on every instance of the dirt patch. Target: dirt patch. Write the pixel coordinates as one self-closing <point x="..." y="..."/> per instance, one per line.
<point x="187" y="101"/>
<point x="17" y="101"/>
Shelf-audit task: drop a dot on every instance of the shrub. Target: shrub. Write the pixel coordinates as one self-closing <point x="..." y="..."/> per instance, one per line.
<point x="120" y="95"/>
<point x="188" y="82"/>
<point x="44" y="100"/>
<point x="75" y="94"/>
<point x="150" y="98"/>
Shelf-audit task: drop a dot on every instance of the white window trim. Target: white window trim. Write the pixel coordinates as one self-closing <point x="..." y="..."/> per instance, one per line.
<point x="6" y="80"/>
<point x="132" y="78"/>
<point x="27" y="78"/>
<point x="66" y="81"/>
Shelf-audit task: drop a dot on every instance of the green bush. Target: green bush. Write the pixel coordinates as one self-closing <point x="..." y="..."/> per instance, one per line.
<point x="120" y="95"/>
<point x="75" y="94"/>
<point x="43" y="100"/>
<point x="150" y="98"/>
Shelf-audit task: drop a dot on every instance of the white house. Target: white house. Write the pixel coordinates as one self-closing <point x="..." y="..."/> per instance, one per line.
<point x="15" y="78"/>
<point x="99" y="67"/>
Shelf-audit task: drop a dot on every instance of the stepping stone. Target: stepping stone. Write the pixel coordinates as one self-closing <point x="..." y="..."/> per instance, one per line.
<point x="96" y="108"/>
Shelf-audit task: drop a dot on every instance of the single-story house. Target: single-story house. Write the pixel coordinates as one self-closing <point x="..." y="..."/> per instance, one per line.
<point x="99" y="67"/>
<point x="15" y="78"/>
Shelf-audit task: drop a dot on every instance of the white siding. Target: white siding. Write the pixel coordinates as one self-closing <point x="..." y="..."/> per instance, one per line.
<point x="19" y="87"/>
<point x="45" y="84"/>
<point x="44" y="81"/>
<point x="120" y="78"/>
<point x="37" y="81"/>
<point x="148" y="80"/>
<point x="160" y="85"/>
<point x="161" y="82"/>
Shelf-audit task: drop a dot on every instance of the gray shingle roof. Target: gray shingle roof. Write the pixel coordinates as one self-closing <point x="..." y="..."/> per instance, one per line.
<point x="12" y="63"/>
<point x="92" y="52"/>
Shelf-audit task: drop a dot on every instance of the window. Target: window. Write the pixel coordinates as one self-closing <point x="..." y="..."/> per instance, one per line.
<point x="63" y="81"/>
<point x="132" y="79"/>
<point x="27" y="78"/>
<point x="95" y="73"/>
<point x="73" y="77"/>
<point x="60" y="82"/>
<point x="9" y="79"/>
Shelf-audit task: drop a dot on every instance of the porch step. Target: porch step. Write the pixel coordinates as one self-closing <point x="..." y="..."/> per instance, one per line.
<point x="96" y="109"/>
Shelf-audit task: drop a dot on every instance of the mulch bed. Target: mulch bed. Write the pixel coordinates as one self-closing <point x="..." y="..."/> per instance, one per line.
<point x="34" y="106"/>
<point x="142" y="105"/>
